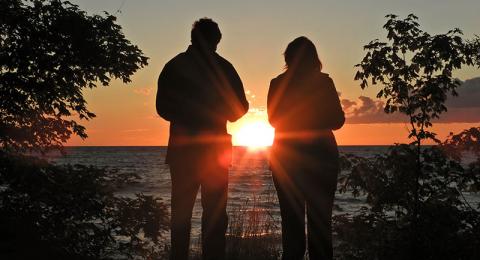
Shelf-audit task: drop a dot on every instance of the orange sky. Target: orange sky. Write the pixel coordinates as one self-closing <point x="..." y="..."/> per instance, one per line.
<point x="255" y="34"/>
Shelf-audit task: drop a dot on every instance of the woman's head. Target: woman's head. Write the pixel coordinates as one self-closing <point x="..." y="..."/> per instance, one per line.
<point x="301" y="55"/>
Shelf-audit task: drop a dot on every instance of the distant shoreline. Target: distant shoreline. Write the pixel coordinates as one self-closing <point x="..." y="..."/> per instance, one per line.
<point x="161" y="146"/>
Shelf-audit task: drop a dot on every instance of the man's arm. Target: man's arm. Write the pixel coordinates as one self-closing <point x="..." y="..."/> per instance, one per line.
<point x="272" y="102"/>
<point x="239" y="104"/>
<point x="164" y="104"/>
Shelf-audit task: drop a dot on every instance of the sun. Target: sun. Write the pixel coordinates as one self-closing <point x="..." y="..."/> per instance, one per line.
<point x="254" y="134"/>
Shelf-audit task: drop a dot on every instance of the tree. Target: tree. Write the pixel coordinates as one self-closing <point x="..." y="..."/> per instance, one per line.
<point x="49" y="52"/>
<point x="415" y="70"/>
<point x="416" y="208"/>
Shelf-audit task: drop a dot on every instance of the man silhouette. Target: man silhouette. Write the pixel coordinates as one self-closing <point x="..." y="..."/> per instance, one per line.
<point x="198" y="91"/>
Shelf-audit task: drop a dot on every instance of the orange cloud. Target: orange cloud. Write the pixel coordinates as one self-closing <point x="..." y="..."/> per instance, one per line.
<point x="143" y="91"/>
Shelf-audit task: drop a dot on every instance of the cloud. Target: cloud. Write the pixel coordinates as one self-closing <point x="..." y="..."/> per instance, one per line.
<point x="143" y="91"/>
<point x="347" y="104"/>
<point x="468" y="95"/>
<point x="138" y="130"/>
<point x="465" y="108"/>
<point x="365" y="110"/>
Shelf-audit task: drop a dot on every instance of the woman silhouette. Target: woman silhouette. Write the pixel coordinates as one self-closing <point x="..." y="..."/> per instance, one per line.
<point x="304" y="108"/>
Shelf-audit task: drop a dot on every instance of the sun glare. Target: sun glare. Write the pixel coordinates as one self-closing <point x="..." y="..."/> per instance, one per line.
<point x="254" y="134"/>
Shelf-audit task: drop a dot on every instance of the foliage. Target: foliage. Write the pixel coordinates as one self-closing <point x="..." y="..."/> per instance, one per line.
<point x="415" y="194"/>
<point x="467" y="140"/>
<point x="49" y="52"/>
<point x="448" y="227"/>
<point x="70" y="212"/>
<point x="461" y="145"/>
<point x="415" y="70"/>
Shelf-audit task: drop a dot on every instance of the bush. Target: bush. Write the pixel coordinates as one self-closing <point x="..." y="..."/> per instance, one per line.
<point x="70" y="212"/>
<point x="416" y="207"/>
<point x="442" y="223"/>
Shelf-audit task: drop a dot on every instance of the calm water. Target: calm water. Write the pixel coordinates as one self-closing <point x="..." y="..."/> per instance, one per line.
<point x="249" y="176"/>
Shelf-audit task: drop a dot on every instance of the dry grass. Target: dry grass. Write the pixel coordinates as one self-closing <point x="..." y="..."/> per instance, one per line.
<point x="253" y="232"/>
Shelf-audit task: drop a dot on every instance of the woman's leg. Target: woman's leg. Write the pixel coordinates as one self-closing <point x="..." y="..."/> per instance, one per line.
<point x="292" y="209"/>
<point x="319" y="192"/>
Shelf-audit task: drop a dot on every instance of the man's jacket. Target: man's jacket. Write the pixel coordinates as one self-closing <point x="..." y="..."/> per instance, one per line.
<point x="198" y="92"/>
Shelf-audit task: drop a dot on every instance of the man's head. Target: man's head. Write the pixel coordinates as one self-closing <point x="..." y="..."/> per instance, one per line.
<point x="205" y="34"/>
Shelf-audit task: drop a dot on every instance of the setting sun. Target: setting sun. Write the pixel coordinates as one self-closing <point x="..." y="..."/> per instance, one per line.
<point x="254" y="134"/>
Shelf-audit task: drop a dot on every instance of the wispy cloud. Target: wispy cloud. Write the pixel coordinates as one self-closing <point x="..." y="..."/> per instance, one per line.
<point x="138" y="130"/>
<point x="366" y="110"/>
<point x="143" y="91"/>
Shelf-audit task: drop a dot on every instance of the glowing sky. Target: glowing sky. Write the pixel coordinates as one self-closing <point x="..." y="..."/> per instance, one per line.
<point x="255" y="34"/>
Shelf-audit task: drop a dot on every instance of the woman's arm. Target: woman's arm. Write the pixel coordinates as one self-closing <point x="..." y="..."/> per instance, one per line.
<point x="335" y="118"/>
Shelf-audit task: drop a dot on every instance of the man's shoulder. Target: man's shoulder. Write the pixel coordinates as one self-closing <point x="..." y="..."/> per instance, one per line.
<point x="179" y="58"/>
<point x="224" y="62"/>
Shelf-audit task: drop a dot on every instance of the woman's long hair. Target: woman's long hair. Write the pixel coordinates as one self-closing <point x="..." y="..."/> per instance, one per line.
<point x="301" y="56"/>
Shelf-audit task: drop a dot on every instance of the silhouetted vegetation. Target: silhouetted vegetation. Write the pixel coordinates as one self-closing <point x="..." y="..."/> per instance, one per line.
<point x="415" y="71"/>
<point x="49" y="52"/>
<point x="70" y="212"/>
<point x="415" y="194"/>
<point x="253" y="231"/>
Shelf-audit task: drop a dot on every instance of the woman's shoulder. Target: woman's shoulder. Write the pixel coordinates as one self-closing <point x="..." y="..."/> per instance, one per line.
<point x="323" y="75"/>
<point x="324" y="78"/>
<point x="280" y="76"/>
<point x="278" y="79"/>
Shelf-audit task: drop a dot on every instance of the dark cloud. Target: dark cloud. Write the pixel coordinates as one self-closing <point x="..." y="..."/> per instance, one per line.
<point x="468" y="95"/>
<point x="347" y="104"/>
<point x="465" y="108"/>
<point x="366" y="110"/>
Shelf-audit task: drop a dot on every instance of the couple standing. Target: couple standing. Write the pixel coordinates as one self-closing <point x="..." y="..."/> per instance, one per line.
<point x="198" y="91"/>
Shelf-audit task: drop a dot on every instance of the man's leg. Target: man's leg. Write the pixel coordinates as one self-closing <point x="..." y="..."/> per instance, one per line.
<point x="184" y="191"/>
<point x="214" y="217"/>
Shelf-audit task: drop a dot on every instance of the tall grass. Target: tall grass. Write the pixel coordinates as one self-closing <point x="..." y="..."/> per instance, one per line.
<point x="253" y="232"/>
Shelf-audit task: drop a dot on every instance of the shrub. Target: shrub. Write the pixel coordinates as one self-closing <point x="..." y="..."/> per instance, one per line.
<point x="70" y="212"/>
<point x="416" y="207"/>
